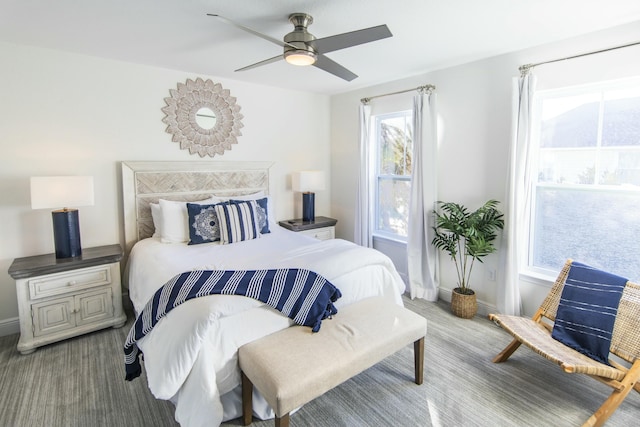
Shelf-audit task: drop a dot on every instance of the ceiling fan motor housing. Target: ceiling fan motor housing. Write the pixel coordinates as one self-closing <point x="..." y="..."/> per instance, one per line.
<point x="300" y="41"/>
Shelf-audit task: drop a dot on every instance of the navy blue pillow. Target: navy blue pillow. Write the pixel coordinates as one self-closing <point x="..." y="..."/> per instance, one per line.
<point x="262" y="212"/>
<point x="204" y="226"/>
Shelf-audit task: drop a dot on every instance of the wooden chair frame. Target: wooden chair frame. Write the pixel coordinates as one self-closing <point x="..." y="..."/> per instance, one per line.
<point x="535" y="333"/>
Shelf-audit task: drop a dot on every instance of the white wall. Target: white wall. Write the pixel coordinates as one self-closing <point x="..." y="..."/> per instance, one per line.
<point x="67" y="114"/>
<point x="63" y="113"/>
<point x="474" y="112"/>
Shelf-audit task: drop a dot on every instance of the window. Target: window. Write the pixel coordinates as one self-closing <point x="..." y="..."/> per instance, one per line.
<point x="586" y="194"/>
<point x="393" y="142"/>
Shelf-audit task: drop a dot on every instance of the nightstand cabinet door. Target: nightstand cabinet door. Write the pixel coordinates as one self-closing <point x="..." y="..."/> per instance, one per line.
<point x="53" y="316"/>
<point x="94" y="306"/>
<point x="66" y="313"/>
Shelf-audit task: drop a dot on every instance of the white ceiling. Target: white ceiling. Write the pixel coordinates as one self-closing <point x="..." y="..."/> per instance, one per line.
<point x="427" y="34"/>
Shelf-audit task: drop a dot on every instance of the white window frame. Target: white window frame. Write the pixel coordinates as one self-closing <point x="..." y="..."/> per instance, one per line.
<point x="377" y="177"/>
<point x="545" y="274"/>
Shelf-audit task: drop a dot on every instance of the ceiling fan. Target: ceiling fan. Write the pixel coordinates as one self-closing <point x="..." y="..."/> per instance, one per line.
<point x="302" y="48"/>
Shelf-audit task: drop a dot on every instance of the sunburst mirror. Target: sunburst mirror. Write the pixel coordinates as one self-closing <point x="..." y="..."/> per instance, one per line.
<point x="203" y="117"/>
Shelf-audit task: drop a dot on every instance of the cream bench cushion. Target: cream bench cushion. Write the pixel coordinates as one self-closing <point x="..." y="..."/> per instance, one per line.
<point x="294" y="366"/>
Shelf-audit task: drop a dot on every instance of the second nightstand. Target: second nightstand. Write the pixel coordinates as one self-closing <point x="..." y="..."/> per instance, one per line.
<point x="322" y="228"/>
<point x="63" y="298"/>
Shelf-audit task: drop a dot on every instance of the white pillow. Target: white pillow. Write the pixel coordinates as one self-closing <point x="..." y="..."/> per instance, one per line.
<point x="174" y="219"/>
<point x="156" y="216"/>
<point x="253" y="196"/>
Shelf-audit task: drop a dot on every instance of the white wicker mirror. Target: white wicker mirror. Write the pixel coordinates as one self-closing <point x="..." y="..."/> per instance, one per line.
<point x="203" y="117"/>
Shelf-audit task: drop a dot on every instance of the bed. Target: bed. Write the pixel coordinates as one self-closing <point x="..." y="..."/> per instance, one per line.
<point x="190" y="356"/>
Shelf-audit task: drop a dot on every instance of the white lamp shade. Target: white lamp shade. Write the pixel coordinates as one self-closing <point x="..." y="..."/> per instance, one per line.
<point x="61" y="191"/>
<point x="306" y="181"/>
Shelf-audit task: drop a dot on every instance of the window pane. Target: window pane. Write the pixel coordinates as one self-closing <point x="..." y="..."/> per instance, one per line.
<point x="619" y="167"/>
<point x="567" y="166"/>
<point x="393" y="206"/>
<point x="595" y="227"/>
<point x="621" y="122"/>
<point x="570" y="121"/>
<point x="395" y="145"/>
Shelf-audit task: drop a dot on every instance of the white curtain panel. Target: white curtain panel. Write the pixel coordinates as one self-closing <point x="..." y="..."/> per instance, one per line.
<point x="518" y="196"/>
<point x="421" y="254"/>
<point x="363" y="217"/>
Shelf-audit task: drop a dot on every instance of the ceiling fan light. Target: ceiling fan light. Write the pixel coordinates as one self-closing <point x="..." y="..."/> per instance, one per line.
<point x="300" y="57"/>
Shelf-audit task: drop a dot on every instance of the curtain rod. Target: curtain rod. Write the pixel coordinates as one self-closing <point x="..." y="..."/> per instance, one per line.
<point x="427" y="88"/>
<point x="527" y="67"/>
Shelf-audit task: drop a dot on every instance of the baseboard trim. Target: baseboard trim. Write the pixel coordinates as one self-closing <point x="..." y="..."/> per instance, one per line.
<point x="484" y="308"/>
<point x="9" y="326"/>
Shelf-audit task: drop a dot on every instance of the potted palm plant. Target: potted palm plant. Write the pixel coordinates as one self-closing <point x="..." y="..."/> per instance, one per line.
<point x="467" y="237"/>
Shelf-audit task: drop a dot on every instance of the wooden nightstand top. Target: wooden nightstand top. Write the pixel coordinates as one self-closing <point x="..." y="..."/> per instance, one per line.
<point x="46" y="264"/>
<point x="300" y="225"/>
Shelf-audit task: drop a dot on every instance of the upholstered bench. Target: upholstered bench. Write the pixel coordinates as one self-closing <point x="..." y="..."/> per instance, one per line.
<point x="294" y="366"/>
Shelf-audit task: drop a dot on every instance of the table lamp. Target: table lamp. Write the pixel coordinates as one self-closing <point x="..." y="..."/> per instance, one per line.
<point x="60" y="193"/>
<point x="307" y="182"/>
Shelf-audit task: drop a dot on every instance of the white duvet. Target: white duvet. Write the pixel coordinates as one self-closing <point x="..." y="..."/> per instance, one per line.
<point x="190" y="357"/>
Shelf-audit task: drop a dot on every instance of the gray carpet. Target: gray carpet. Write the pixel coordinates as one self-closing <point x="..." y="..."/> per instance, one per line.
<point x="79" y="382"/>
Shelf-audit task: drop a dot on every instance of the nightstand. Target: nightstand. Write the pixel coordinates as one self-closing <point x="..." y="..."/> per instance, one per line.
<point x="322" y="228"/>
<point x="63" y="298"/>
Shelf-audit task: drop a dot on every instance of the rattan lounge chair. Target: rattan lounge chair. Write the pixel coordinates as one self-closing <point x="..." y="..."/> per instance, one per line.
<point x="535" y="333"/>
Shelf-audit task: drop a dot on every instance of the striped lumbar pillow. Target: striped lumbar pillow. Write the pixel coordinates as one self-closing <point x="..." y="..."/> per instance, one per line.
<point x="238" y="221"/>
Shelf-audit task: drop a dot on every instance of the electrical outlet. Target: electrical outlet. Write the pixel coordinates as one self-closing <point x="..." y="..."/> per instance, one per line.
<point x="492" y="275"/>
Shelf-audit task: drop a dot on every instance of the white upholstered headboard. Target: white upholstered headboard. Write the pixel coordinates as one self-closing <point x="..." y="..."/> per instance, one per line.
<point x="146" y="182"/>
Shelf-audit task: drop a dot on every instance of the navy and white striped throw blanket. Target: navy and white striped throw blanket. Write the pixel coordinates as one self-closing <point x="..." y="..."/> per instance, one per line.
<point x="302" y="295"/>
<point x="587" y="311"/>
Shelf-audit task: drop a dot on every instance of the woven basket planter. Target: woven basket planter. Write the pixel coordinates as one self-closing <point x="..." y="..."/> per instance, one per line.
<point x="462" y="305"/>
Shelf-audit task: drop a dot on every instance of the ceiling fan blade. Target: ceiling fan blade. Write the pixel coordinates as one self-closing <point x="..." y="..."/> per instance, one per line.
<point x="334" y="68"/>
<point x="353" y="38"/>
<point x="249" y="30"/>
<point x="261" y="63"/>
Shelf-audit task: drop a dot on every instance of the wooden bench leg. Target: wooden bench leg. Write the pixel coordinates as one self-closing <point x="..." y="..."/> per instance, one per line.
<point x="418" y="356"/>
<point x="282" y="421"/>
<point x="247" y="396"/>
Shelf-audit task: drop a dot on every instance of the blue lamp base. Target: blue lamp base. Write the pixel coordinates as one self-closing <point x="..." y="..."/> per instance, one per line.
<point x="308" y="207"/>
<point x="66" y="233"/>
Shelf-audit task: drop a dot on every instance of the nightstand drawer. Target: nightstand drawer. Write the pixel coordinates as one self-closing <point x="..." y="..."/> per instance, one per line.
<point x="60" y="283"/>
<point x="325" y="233"/>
